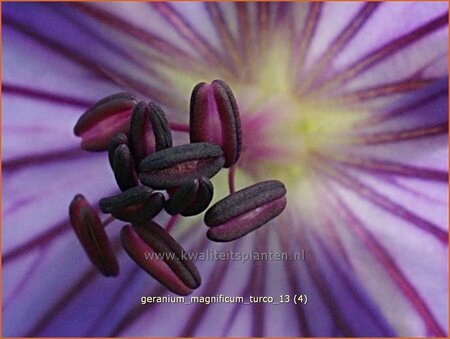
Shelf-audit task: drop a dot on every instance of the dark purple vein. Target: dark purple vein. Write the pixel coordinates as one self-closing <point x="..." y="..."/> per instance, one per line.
<point x="406" y="109"/>
<point x="39" y="241"/>
<point x="386" y="167"/>
<point x="338" y="44"/>
<point x="75" y="289"/>
<point x="294" y="280"/>
<point x="245" y="33"/>
<point x="45" y="95"/>
<point x="357" y="228"/>
<point x="122" y="51"/>
<point x="356" y="294"/>
<point x="55" y="46"/>
<point x="228" y="43"/>
<point x="71" y="293"/>
<point x="21" y="284"/>
<point x="402" y="135"/>
<point x="383" y="52"/>
<point x="258" y="285"/>
<point x="380" y="200"/>
<point x="282" y="11"/>
<point x="113" y="299"/>
<point x="233" y="314"/>
<point x="157" y="43"/>
<point x="214" y="283"/>
<point x="383" y="90"/>
<point x="303" y="40"/>
<point x="324" y="290"/>
<point x="67" y="154"/>
<point x="263" y="24"/>
<point x="103" y="71"/>
<point x="187" y="32"/>
<point x="135" y="312"/>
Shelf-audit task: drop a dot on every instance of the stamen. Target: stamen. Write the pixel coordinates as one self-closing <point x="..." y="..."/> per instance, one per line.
<point x="138" y="204"/>
<point x="177" y="127"/>
<point x="138" y="138"/>
<point x="201" y="200"/>
<point x="245" y="210"/>
<point x="123" y="168"/>
<point x="117" y="140"/>
<point x="191" y="198"/>
<point x="106" y="118"/>
<point x="172" y="167"/>
<point x="171" y="223"/>
<point x="178" y="275"/>
<point x="92" y="236"/>
<point x="214" y="117"/>
<point x="149" y="130"/>
<point x="231" y="177"/>
<point x="108" y="220"/>
<point x="243" y="201"/>
<point x="138" y="250"/>
<point x="161" y="128"/>
<point x="243" y="224"/>
<point x="141" y="135"/>
<point x="181" y="197"/>
<point x="162" y="242"/>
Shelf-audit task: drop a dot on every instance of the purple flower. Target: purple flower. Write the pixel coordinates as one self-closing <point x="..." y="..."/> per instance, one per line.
<point x="346" y="103"/>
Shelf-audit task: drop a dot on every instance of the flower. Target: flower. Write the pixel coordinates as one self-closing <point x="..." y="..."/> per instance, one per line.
<point x="345" y="102"/>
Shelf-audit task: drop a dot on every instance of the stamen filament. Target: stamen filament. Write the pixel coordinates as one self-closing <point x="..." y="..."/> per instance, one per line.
<point x="174" y="126"/>
<point x="108" y="220"/>
<point x="231" y="176"/>
<point x="171" y="223"/>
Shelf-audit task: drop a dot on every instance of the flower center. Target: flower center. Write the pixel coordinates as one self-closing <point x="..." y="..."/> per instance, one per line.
<point x="282" y="132"/>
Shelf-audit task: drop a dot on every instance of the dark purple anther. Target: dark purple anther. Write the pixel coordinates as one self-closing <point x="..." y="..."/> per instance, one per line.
<point x="191" y="198"/>
<point x="162" y="242"/>
<point x="90" y="232"/>
<point x="117" y="140"/>
<point x="149" y="130"/>
<point x="160" y="125"/>
<point x="214" y="117"/>
<point x="109" y="116"/>
<point x="155" y="251"/>
<point x="201" y="200"/>
<point x="138" y="204"/>
<point x="181" y="197"/>
<point x="123" y="168"/>
<point x="245" y="210"/>
<point x="172" y="167"/>
<point x="141" y="134"/>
